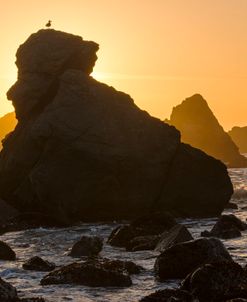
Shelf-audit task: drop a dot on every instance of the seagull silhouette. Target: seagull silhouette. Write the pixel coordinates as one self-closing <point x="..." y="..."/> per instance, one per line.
<point x="48" y="24"/>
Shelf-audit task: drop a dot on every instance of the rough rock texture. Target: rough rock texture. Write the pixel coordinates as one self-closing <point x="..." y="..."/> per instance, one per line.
<point x="217" y="282"/>
<point x="7" y="292"/>
<point x="169" y="295"/>
<point x="144" y="226"/>
<point x="143" y="243"/>
<point x="183" y="258"/>
<point x="200" y="128"/>
<point x="84" y="151"/>
<point x="227" y="226"/>
<point x="87" y="246"/>
<point x="239" y="136"/>
<point x="6" y="252"/>
<point x="177" y="234"/>
<point x="91" y="273"/>
<point x="38" y="264"/>
<point x="7" y="124"/>
<point x="7" y="212"/>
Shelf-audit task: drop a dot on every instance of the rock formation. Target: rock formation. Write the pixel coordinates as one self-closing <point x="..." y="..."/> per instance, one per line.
<point x="239" y="136"/>
<point x="200" y="128"/>
<point x="84" y="151"/>
<point x="7" y="124"/>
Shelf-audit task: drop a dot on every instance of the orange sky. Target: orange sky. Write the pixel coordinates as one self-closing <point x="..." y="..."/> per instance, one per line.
<point x="158" y="51"/>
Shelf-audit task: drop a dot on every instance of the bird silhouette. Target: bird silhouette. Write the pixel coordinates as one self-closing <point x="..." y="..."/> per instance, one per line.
<point x="48" y="24"/>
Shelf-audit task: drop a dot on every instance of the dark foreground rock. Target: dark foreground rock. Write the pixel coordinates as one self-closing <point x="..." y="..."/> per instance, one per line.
<point x="87" y="246"/>
<point x="217" y="282"/>
<point x="169" y="295"/>
<point x="38" y="264"/>
<point x="177" y="234"/>
<point x="7" y="292"/>
<point x="95" y="272"/>
<point x="141" y="230"/>
<point x="181" y="259"/>
<point x="227" y="227"/>
<point x="200" y="128"/>
<point x="6" y="252"/>
<point x="84" y="151"/>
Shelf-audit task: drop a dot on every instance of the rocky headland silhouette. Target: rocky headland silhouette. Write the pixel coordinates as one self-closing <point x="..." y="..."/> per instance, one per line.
<point x="7" y="124"/>
<point x="201" y="129"/>
<point x="84" y="151"/>
<point x="239" y="136"/>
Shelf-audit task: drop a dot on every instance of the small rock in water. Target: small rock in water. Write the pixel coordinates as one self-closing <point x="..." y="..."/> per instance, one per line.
<point x="147" y="225"/>
<point x="6" y="253"/>
<point x="7" y="292"/>
<point x="90" y="273"/>
<point x="181" y="259"/>
<point x="177" y="234"/>
<point x="227" y="227"/>
<point x="87" y="246"/>
<point x="231" y="205"/>
<point x="38" y="264"/>
<point x="169" y="295"/>
<point x="143" y="243"/>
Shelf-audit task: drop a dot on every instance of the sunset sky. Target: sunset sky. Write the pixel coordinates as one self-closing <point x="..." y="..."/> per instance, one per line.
<point x="158" y="51"/>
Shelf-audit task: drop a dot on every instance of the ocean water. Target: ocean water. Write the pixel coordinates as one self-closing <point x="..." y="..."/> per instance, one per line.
<point x="54" y="244"/>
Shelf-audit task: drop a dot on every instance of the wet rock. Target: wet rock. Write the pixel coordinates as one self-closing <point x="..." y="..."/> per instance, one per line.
<point x="216" y="282"/>
<point x="190" y="118"/>
<point x="38" y="264"/>
<point x="6" y="252"/>
<point x="237" y="300"/>
<point x="169" y="295"/>
<point x="32" y="300"/>
<point x="227" y="227"/>
<point x="147" y="225"/>
<point x="91" y="273"/>
<point x="85" y="152"/>
<point x="7" y="292"/>
<point x="87" y="246"/>
<point x="177" y="234"/>
<point x="143" y="243"/>
<point x="181" y="259"/>
<point x="120" y="265"/>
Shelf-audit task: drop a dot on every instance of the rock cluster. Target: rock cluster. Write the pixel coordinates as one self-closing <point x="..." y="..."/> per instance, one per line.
<point x="84" y="151"/>
<point x="200" y="128"/>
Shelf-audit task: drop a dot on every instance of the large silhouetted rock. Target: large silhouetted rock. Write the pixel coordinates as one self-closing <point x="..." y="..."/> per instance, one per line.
<point x="7" y="124"/>
<point x="200" y="128"/>
<point x="83" y="150"/>
<point x="239" y="136"/>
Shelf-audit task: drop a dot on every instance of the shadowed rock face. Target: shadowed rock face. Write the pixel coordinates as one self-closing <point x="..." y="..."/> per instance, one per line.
<point x="239" y="136"/>
<point x="200" y="128"/>
<point x="7" y="124"/>
<point x="83" y="150"/>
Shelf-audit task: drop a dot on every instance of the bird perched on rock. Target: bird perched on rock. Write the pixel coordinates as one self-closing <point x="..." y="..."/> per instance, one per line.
<point x="48" y="24"/>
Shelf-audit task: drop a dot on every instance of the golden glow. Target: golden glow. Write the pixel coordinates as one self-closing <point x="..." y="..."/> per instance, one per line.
<point x="159" y="51"/>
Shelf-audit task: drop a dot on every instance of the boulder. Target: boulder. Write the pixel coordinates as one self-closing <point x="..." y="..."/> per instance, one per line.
<point x="87" y="246"/>
<point x="168" y="295"/>
<point x="231" y="205"/>
<point x="227" y="227"/>
<point x="32" y="300"/>
<point x="144" y="227"/>
<point x="200" y="128"/>
<point x="7" y="292"/>
<point x="216" y="282"/>
<point x="181" y="259"/>
<point x="38" y="264"/>
<point x="239" y="136"/>
<point x="91" y="273"/>
<point x="83" y="151"/>
<point x="177" y="234"/>
<point x="6" y="252"/>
